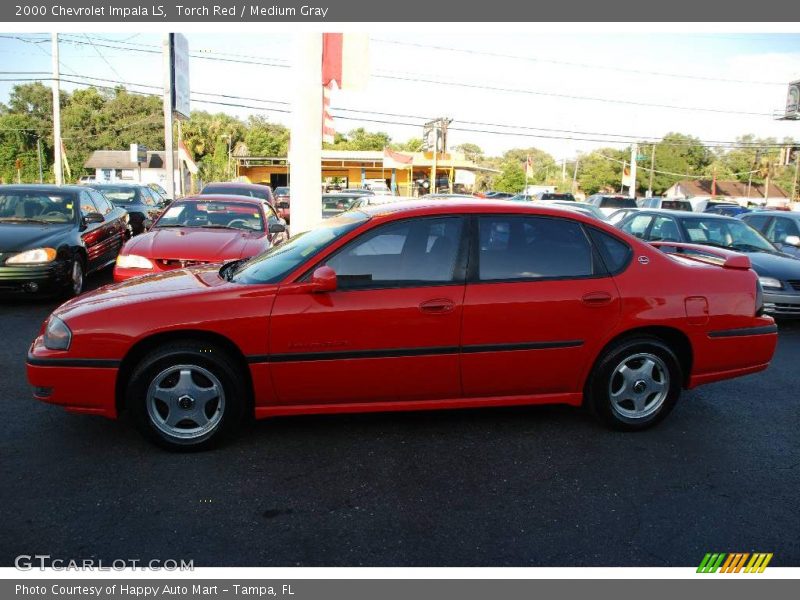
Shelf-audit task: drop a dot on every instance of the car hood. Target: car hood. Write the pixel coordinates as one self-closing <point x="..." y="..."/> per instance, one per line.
<point x="15" y="237"/>
<point x="177" y="283"/>
<point x="212" y="245"/>
<point x="774" y="265"/>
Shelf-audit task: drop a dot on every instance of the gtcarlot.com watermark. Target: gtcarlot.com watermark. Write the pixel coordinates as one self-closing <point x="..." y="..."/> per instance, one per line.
<point x="43" y="562"/>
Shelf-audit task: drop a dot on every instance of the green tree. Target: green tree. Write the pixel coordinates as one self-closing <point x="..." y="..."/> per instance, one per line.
<point x="360" y="139"/>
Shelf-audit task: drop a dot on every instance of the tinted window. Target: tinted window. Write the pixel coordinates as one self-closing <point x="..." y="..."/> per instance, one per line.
<point x="616" y="254"/>
<point x="103" y="205"/>
<point x="408" y="253"/>
<point x="43" y="206"/>
<point x="234" y="215"/>
<point x="781" y="228"/>
<point x="521" y="248"/>
<point x="272" y="218"/>
<point x="637" y="225"/>
<point x="726" y="233"/>
<point x="277" y="262"/>
<point x="676" y="205"/>
<point x="617" y="202"/>
<point x="87" y="205"/>
<point x="121" y="195"/>
<point x="664" y="229"/>
<point x="757" y="221"/>
<point x="554" y="196"/>
<point x="650" y="203"/>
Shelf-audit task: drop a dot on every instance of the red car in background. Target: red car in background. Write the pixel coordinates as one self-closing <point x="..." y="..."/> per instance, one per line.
<point x="199" y="230"/>
<point x="408" y="306"/>
<point x="282" y="200"/>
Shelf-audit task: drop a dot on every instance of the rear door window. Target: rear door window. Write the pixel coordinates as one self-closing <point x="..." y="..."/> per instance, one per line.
<point x="514" y="248"/>
<point x="637" y="225"/>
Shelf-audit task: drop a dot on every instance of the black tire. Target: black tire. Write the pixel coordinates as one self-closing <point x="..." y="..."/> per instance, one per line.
<point x="72" y="288"/>
<point x="633" y="352"/>
<point x="206" y="363"/>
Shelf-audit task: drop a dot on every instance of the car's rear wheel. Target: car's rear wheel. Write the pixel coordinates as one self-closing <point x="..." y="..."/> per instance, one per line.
<point x="635" y="384"/>
<point x="187" y="396"/>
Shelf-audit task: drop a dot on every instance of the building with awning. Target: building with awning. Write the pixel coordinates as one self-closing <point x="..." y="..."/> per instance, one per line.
<point x="406" y="173"/>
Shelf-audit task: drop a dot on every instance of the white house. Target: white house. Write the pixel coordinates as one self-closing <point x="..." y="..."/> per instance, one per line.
<point x="116" y="166"/>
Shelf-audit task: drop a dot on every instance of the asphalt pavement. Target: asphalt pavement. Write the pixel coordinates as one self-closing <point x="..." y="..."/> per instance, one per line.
<point x="540" y="486"/>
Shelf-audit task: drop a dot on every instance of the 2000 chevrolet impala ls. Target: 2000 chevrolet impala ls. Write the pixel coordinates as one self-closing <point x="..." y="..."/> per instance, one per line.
<point x="406" y="306"/>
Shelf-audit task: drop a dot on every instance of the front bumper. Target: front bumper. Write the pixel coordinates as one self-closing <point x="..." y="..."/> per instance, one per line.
<point x="45" y="279"/>
<point x="782" y="303"/>
<point x="84" y="386"/>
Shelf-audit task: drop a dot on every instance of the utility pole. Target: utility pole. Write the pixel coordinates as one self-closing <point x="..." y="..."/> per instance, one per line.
<point x="57" y="114"/>
<point x="432" y="188"/>
<point x="563" y="169"/>
<point x="181" y="182"/>
<point x="652" y="167"/>
<point x="622" y="181"/>
<point x="169" y="156"/>
<point x="796" y="168"/>
<point x="575" y="174"/>
<point x="39" y="157"/>
<point x="305" y="154"/>
<point x="634" y="160"/>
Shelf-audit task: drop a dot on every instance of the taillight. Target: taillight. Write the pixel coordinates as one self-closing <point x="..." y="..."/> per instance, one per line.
<point x="759" y="299"/>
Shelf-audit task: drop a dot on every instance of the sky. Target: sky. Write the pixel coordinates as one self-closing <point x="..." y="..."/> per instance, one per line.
<point x="561" y="92"/>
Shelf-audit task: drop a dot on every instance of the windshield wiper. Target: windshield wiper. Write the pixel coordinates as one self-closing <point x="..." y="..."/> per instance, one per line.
<point x="170" y="225"/>
<point x="751" y="248"/>
<point x="23" y="220"/>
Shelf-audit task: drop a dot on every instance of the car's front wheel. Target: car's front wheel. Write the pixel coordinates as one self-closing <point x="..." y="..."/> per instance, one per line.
<point x="635" y="384"/>
<point x="187" y="396"/>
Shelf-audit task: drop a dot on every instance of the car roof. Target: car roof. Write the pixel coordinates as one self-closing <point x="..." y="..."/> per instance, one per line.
<point x="237" y="184"/>
<point x="775" y="213"/>
<point x="222" y="198"/>
<point x="683" y="214"/>
<point x="41" y="187"/>
<point x="96" y="184"/>
<point x="456" y="206"/>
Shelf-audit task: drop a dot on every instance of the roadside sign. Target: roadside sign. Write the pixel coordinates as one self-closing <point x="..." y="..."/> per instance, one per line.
<point x="138" y="154"/>
<point x="179" y="75"/>
<point x="793" y="100"/>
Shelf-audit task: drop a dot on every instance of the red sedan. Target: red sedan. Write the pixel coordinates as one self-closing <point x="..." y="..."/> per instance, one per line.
<point x="200" y="230"/>
<point x="407" y="306"/>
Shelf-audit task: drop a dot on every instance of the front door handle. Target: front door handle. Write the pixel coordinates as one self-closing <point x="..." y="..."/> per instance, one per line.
<point x="596" y="299"/>
<point x="437" y="306"/>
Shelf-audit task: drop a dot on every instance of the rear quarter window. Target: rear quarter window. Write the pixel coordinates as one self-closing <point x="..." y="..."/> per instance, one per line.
<point x="615" y="253"/>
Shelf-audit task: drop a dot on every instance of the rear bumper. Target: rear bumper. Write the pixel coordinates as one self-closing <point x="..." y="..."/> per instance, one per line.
<point x="34" y="279"/>
<point x="730" y="353"/>
<point x="79" y="385"/>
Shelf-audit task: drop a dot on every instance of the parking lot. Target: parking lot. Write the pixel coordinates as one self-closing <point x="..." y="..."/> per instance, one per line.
<point x="523" y="486"/>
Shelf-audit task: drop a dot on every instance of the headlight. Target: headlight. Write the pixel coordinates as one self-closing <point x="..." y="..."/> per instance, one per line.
<point x="770" y="283"/>
<point x="133" y="261"/>
<point x="36" y="256"/>
<point x="57" y="335"/>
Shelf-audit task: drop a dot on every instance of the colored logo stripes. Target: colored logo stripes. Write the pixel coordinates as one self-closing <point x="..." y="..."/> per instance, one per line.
<point x="734" y="562"/>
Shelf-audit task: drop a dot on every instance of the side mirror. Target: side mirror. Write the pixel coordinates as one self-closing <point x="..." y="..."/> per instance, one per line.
<point x="323" y="279"/>
<point x="93" y="217"/>
<point x="277" y="228"/>
<point x="792" y="240"/>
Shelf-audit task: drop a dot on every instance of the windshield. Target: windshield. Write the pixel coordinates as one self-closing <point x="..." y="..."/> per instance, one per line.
<point x="281" y="191"/>
<point x="233" y="190"/>
<point x="30" y="206"/>
<point x="120" y="195"/>
<point x="226" y="215"/>
<point x="617" y="202"/>
<point x="274" y="264"/>
<point x="725" y="233"/>
<point x="554" y="196"/>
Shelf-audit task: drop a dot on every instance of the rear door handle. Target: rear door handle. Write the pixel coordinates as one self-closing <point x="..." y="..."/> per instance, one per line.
<point x="596" y="299"/>
<point x="437" y="306"/>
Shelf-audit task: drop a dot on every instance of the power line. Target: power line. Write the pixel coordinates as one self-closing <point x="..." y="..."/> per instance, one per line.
<point x="596" y="137"/>
<point x="421" y="78"/>
<point x="577" y="64"/>
<point x="688" y="175"/>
